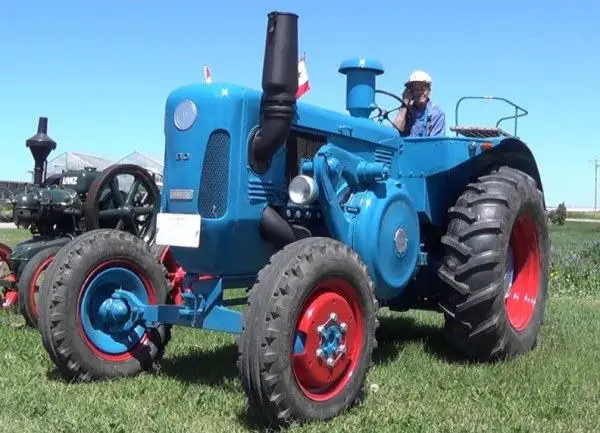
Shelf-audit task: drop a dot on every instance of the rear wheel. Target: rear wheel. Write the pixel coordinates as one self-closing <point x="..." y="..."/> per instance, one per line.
<point x="309" y="333"/>
<point x="86" y="332"/>
<point x="496" y="266"/>
<point x="29" y="283"/>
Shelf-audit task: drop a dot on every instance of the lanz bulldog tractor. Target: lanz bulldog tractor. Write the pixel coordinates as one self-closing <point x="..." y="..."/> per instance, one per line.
<point x="58" y="208"/>
<point x="326" y="218"/>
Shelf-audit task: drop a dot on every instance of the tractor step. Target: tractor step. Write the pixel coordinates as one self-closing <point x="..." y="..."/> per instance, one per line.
<point x="479" y="131"/>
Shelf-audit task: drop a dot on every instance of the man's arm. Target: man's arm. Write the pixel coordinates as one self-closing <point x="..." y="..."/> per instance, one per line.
<point x="400" y="120"/>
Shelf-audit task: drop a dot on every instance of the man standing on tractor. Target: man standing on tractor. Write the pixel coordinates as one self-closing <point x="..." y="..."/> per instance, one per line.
<point x="425" y="118"/>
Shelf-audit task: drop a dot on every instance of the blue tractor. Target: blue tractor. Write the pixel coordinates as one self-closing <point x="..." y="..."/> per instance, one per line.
<point x="325" y="217"/>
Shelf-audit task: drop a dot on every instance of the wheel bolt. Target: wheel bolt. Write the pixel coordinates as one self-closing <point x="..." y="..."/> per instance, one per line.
<point x="343" y="326"/>
<point x="333" y="316"/>
<point x="342" y="348"/>
<point x="320" y="329"/>
<point x="330" y="362"/>
<point x="319" y="353"/>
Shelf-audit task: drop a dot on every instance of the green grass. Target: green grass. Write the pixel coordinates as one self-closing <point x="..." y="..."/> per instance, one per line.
<point x="415" y="386"/>
<point x="11" y="237"/>
<point x="583" y="215"/>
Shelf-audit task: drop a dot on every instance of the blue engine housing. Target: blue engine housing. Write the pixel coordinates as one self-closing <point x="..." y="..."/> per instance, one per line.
<point x="378" y="191"/>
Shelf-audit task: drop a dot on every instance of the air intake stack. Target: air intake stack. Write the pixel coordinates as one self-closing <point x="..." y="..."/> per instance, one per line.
<point x="40" y="146"/>
<point x="360" y="85"/>
<point x="279" y="84"/>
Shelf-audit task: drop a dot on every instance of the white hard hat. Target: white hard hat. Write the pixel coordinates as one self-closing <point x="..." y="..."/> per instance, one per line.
<point x="419" y="76"/>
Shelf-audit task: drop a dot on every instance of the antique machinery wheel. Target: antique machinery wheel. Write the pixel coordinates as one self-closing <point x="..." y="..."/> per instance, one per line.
<point x="132" y="209"/>
<point x="8" y="294"/>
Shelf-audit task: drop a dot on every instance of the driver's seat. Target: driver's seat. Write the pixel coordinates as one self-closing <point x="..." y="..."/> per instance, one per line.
<point x="480" y="131"/>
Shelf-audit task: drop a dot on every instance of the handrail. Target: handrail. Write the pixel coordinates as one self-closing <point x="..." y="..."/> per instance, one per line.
<point x="516" y="115"/>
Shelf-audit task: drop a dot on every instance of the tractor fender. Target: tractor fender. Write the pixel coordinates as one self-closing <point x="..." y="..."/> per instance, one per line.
<point x="511" y="152"/>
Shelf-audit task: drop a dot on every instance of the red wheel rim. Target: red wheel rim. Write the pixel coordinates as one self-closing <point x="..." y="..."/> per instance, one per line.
<point x="522" y="294"/>
<point x="319" y="336"/>
<point x="34" y="287"/>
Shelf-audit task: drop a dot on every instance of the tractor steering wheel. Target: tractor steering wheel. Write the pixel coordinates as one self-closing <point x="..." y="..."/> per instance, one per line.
<point x="384" y="114"/>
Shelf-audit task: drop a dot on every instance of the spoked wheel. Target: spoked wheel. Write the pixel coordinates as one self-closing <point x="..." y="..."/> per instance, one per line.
<point x="88" y="333"/>
<point x="29" y="283"/>
<point x="496" y="266"/>
<point x="309" y="333"/>
<point x="124" y="197"/>
<point x="175" y="272"/>
<point x="8" y="295"/>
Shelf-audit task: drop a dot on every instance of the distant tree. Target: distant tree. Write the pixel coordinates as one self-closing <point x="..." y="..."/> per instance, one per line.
<point x="559" y="216"/>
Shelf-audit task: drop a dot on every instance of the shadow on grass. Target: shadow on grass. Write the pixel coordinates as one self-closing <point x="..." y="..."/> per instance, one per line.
<point x="395" y="332"/>
<point x="212" y="368"/>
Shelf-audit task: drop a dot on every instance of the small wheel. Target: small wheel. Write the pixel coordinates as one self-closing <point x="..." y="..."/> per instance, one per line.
<point x="496" y="266"/>
<point x="28" y="283"/>
<point x="8" y="296"/>
<point x="88" y="334"/>
<point x="309" y="333"/>
<point x="132" y="209"/>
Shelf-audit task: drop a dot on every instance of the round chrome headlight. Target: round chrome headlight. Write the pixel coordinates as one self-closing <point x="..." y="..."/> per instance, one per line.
<point x="185" y="115"/>
<point x="303" y="189"/>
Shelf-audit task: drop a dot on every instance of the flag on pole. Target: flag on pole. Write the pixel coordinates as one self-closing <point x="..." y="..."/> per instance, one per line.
<point x="207" y="75"/>
<point x="303" y="83"/>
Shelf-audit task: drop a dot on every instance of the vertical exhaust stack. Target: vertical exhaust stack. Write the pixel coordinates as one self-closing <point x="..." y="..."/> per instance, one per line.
<point x="40" y="146"/>
<point x="279" y="84"/>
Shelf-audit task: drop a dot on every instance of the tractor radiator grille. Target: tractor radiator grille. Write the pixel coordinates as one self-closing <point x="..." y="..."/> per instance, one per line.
<point x="214" y="181"/>
<point x="384" y="155"/>
<point x="301" y="145"/>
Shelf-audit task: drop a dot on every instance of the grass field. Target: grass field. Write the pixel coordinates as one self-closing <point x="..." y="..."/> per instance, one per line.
<point x="414" y="386"/>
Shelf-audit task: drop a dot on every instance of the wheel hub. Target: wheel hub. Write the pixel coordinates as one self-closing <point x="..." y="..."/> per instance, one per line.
<point x="333" y="340"/>
<point x="114" y="311"/>
<point x="328" y="341"/>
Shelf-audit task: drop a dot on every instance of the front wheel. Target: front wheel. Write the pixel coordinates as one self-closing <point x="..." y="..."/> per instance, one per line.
<point x="87" y="333"/>
<point x="496" y="266"/>
<point x="28" y="283"/>
<point x="309" y="333"/>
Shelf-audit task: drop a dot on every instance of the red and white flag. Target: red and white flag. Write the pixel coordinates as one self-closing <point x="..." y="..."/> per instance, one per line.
<point x="207" y="75"/>
<point x="303" y="83"/>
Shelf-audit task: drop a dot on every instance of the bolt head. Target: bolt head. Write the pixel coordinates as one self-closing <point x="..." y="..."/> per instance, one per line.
<point x="342" y="348"/>
<point x="343" y="327"/>
<point x="330" y="362"/>
<point x="333" y="316"/>
<point x="320" y="329"/>
<point x="319" y="353"/>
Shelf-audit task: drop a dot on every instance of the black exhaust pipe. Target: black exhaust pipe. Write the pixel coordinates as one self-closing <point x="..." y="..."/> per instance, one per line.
<point x="40" y="146"/>
<point x="279" y="84"/>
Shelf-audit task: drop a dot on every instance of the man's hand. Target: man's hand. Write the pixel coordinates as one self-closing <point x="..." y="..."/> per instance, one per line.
<point x="407" y="96"/>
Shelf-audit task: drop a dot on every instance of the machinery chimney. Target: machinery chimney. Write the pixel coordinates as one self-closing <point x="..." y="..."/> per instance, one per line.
<point x="40" y="146"/>
<point x="279" y="84"/>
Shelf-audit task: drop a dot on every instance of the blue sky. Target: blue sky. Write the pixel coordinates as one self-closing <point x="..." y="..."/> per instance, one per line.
<point x="100" y="71"/>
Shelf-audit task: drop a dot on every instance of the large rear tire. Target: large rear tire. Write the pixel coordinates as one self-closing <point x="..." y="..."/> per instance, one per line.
<point x="82" y="276"/>
<point x="309" y="333"/>
<point x="496" y="266"/>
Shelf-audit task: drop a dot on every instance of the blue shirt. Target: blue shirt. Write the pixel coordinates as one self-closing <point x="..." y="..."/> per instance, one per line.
<point x="430" y="121"/>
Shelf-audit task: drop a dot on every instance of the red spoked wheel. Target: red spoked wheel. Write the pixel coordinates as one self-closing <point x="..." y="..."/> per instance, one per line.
<point x="175" y="272"/>
<point x="8" y="293"/>
<point x="523" y="274"/>
<point x="330" y="338"/>
<point x="309" y="333"/>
